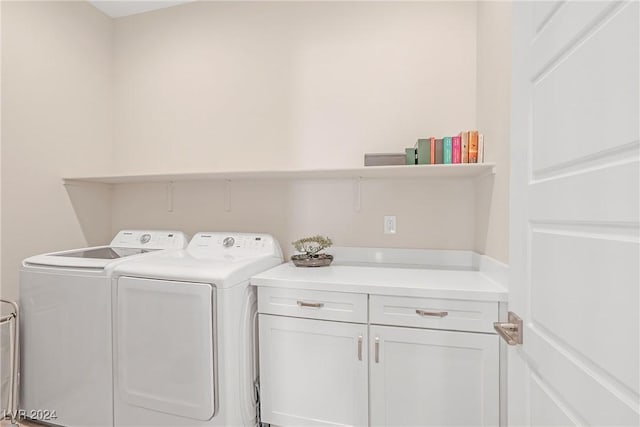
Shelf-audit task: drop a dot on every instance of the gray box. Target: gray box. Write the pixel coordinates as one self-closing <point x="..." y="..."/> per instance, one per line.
<point x="385" y="159"/>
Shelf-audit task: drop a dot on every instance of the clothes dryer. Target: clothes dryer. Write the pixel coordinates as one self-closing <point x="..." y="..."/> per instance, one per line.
<point x="184" y="333"/>
<point x="65" y="328"/>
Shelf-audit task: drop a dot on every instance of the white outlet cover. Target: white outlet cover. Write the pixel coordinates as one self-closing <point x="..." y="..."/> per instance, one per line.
<point x="390" y="224"/>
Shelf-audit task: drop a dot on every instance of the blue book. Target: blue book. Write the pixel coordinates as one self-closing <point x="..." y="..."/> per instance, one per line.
<point x="447" y="150"/>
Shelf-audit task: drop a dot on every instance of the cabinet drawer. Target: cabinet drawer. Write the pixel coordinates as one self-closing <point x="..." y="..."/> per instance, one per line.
<point x="433" y="313"/>
<point x="346" y="307"/>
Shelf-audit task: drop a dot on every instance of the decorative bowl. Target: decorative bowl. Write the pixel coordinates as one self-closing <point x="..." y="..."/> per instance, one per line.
<point x="320" y="260"/>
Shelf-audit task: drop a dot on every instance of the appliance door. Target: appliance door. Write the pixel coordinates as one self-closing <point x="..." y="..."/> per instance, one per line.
<point x="165" y="346"/>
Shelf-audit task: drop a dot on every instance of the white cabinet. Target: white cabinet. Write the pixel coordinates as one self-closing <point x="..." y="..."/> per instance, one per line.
<point x="424" y="377"/>
<point x="338" y="358"/>
<point x="313" y="372"/>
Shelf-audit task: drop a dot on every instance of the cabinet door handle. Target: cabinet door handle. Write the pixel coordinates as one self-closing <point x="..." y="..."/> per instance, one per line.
<point x="425" y="313"/>
<point x="310" y="304"/>
<point x="377" y="349"/>
<point x="360" y="347"/>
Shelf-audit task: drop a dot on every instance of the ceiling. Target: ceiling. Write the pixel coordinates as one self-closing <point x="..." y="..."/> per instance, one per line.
<point x="120" y="8"/>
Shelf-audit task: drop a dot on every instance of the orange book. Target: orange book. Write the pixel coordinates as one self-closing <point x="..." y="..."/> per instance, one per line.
<point x="473" y="146"/>
<point x="465" y="147"/>
<point x="433" y="149"/>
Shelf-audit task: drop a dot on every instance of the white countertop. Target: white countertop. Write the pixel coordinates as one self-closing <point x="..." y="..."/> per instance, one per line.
<point x="374" y="279"/>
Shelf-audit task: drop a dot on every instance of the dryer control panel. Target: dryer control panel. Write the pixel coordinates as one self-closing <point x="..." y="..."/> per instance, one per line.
<point x="235" y="244"/>
<point x="150" y="239"/>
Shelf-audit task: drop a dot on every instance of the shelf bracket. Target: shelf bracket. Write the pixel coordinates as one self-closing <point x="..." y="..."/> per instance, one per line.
<point x="357" y="194"/>
<point x="227" y="195"/>
<point x="170" y="196"/>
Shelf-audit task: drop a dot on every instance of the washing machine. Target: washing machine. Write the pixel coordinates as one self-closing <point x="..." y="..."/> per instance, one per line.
<point x="185" y="335"/>
<point x="65" y="328"/>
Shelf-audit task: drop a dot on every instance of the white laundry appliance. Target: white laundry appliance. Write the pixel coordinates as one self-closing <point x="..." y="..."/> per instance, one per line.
<point x="184" y="333"/>
<point x="66" y="336"/>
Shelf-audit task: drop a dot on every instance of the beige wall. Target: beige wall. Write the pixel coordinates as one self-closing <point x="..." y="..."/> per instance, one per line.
<point x="233" y="86"/>
<point x="262" y="85"/>
<point x="494" y="112"/>
<point x="293" y="209"/>
<point x="56" y="121"/>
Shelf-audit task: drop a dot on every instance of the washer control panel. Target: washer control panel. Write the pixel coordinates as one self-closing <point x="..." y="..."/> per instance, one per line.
<point x="235" y="244"/>
<point x="150" y="239"/>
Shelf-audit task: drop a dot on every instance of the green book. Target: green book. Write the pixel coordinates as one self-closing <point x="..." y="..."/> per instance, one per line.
<point x="411" y="155"/>
<point x="447" y="150"/>
<point x="423" y="147"/>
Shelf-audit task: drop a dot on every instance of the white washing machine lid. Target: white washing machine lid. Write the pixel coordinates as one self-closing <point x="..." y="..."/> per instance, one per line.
<point x="184" y="266"/>
<point x="126" y="243"/>
<point x="97" y="257"/>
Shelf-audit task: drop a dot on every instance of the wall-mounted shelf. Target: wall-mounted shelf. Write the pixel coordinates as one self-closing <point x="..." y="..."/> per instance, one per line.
<point x="370" y="172"/>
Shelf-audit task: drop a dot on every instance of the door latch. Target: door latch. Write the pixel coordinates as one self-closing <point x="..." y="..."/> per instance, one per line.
<point x="510" y="331"/>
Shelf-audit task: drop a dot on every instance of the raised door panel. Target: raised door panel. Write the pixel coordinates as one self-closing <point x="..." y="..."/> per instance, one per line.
<point x="433" y="378"/>
<point x="313" y="372"/>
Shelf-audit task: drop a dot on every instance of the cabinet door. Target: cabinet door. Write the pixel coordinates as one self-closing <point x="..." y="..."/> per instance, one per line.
<point x="313" y="372"/>
<point x="423" y="377"/>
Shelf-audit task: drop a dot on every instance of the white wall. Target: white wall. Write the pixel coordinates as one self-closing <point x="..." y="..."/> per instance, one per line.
<point x="494" y="120"/>
<point x="263" y="85"/>
<point x="56" y="121"/>
<point x="268" y="85"/>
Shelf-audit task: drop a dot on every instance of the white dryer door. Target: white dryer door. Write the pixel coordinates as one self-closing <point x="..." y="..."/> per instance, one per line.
<point x="165" y="346"/>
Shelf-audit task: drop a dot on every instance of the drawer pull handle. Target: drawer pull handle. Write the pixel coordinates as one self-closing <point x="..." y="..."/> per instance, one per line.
<point x="377" y="350"/>
<point x="425" y="313"/>
<point x="360" y="347"/>
<point x="310" y="304"/>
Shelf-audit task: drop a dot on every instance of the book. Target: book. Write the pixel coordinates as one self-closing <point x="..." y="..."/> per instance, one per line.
<point x="446" y="150"/>
<point x="411" y="155"/>
<point x="439" y="151"/>
<point x="384" y="159"/>
<point x="432" y="141"/>
<point x="480" y="148"/>
<point x="473" y="146"/>
<point x="464" y="148"/>
<point x="423" y="148"/>
<point x="456" y="155"/>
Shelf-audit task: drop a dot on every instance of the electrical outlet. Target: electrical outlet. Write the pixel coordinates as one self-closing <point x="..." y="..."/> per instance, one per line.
<point x="390" y="224"/>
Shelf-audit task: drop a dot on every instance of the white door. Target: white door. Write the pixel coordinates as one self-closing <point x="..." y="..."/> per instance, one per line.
<point x="313" y="372"/>
<point x="424" y="377"/>
<point x="574" y="214"/>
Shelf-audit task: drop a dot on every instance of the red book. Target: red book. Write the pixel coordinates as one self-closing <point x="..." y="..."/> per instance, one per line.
<point x="433" y="149"/>
<point x="456" y="141"/>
